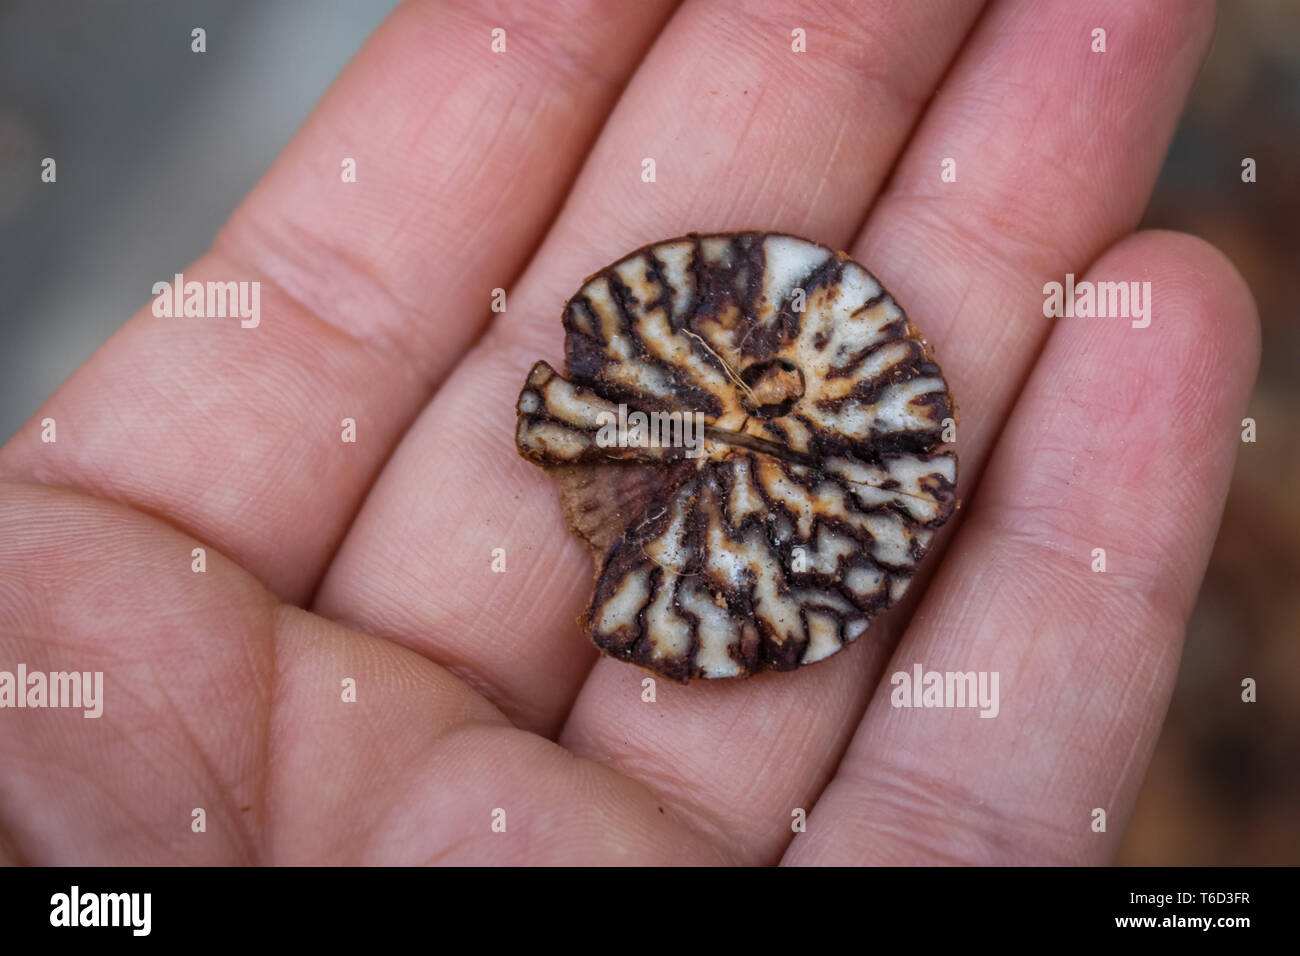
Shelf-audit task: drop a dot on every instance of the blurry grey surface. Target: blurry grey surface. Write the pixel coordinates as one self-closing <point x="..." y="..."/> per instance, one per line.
<point x="155" y="145"/>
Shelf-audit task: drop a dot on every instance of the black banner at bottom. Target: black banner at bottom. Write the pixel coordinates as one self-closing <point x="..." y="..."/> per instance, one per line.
<point x="214" y="905"/>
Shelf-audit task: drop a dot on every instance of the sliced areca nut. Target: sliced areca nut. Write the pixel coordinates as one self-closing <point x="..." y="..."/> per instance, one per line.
<point x="749" y="436"/>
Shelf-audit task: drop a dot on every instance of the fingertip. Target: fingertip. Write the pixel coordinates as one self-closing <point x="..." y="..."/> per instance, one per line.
<point x="1204" y="287"/>
<point x="1197" y="349"/>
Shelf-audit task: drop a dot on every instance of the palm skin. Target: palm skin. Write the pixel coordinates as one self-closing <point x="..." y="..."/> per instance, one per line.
<point x="328" y="561"/>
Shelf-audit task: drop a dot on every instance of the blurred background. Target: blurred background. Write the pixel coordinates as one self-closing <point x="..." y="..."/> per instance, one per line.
<point x="156" y="145"/>
<point x="1225" y="783"/>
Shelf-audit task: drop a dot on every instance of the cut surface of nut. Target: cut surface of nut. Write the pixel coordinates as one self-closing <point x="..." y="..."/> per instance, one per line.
<point x="749" y="437"/>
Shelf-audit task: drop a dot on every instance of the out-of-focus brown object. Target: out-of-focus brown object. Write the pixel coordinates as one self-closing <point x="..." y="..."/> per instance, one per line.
<point x="1224" y="787"/>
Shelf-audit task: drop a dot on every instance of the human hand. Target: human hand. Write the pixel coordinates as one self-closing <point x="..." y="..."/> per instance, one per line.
<point x="327" y="560"/>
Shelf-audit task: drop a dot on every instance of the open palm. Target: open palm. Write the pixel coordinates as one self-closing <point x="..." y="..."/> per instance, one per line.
<point x="370" y="562"/>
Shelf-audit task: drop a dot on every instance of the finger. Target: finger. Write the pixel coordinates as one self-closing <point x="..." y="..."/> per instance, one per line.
<point x="369" y="290"/>
<point x="229" y="729"/>
<point x="173" y="712"/>
<point x="1057" y="148"/>
<point x="1037" y="122"/>
<point x="466" y="142"/>
<point x="1123" y="440"/>
<point x="743" y="130"/>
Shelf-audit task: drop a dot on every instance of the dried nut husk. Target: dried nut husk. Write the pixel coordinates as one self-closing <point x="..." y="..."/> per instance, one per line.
<point x="774" y="538"/>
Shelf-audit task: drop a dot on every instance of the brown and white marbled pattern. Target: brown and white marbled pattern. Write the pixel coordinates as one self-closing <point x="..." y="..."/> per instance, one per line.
<point x="822" y="476"/>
